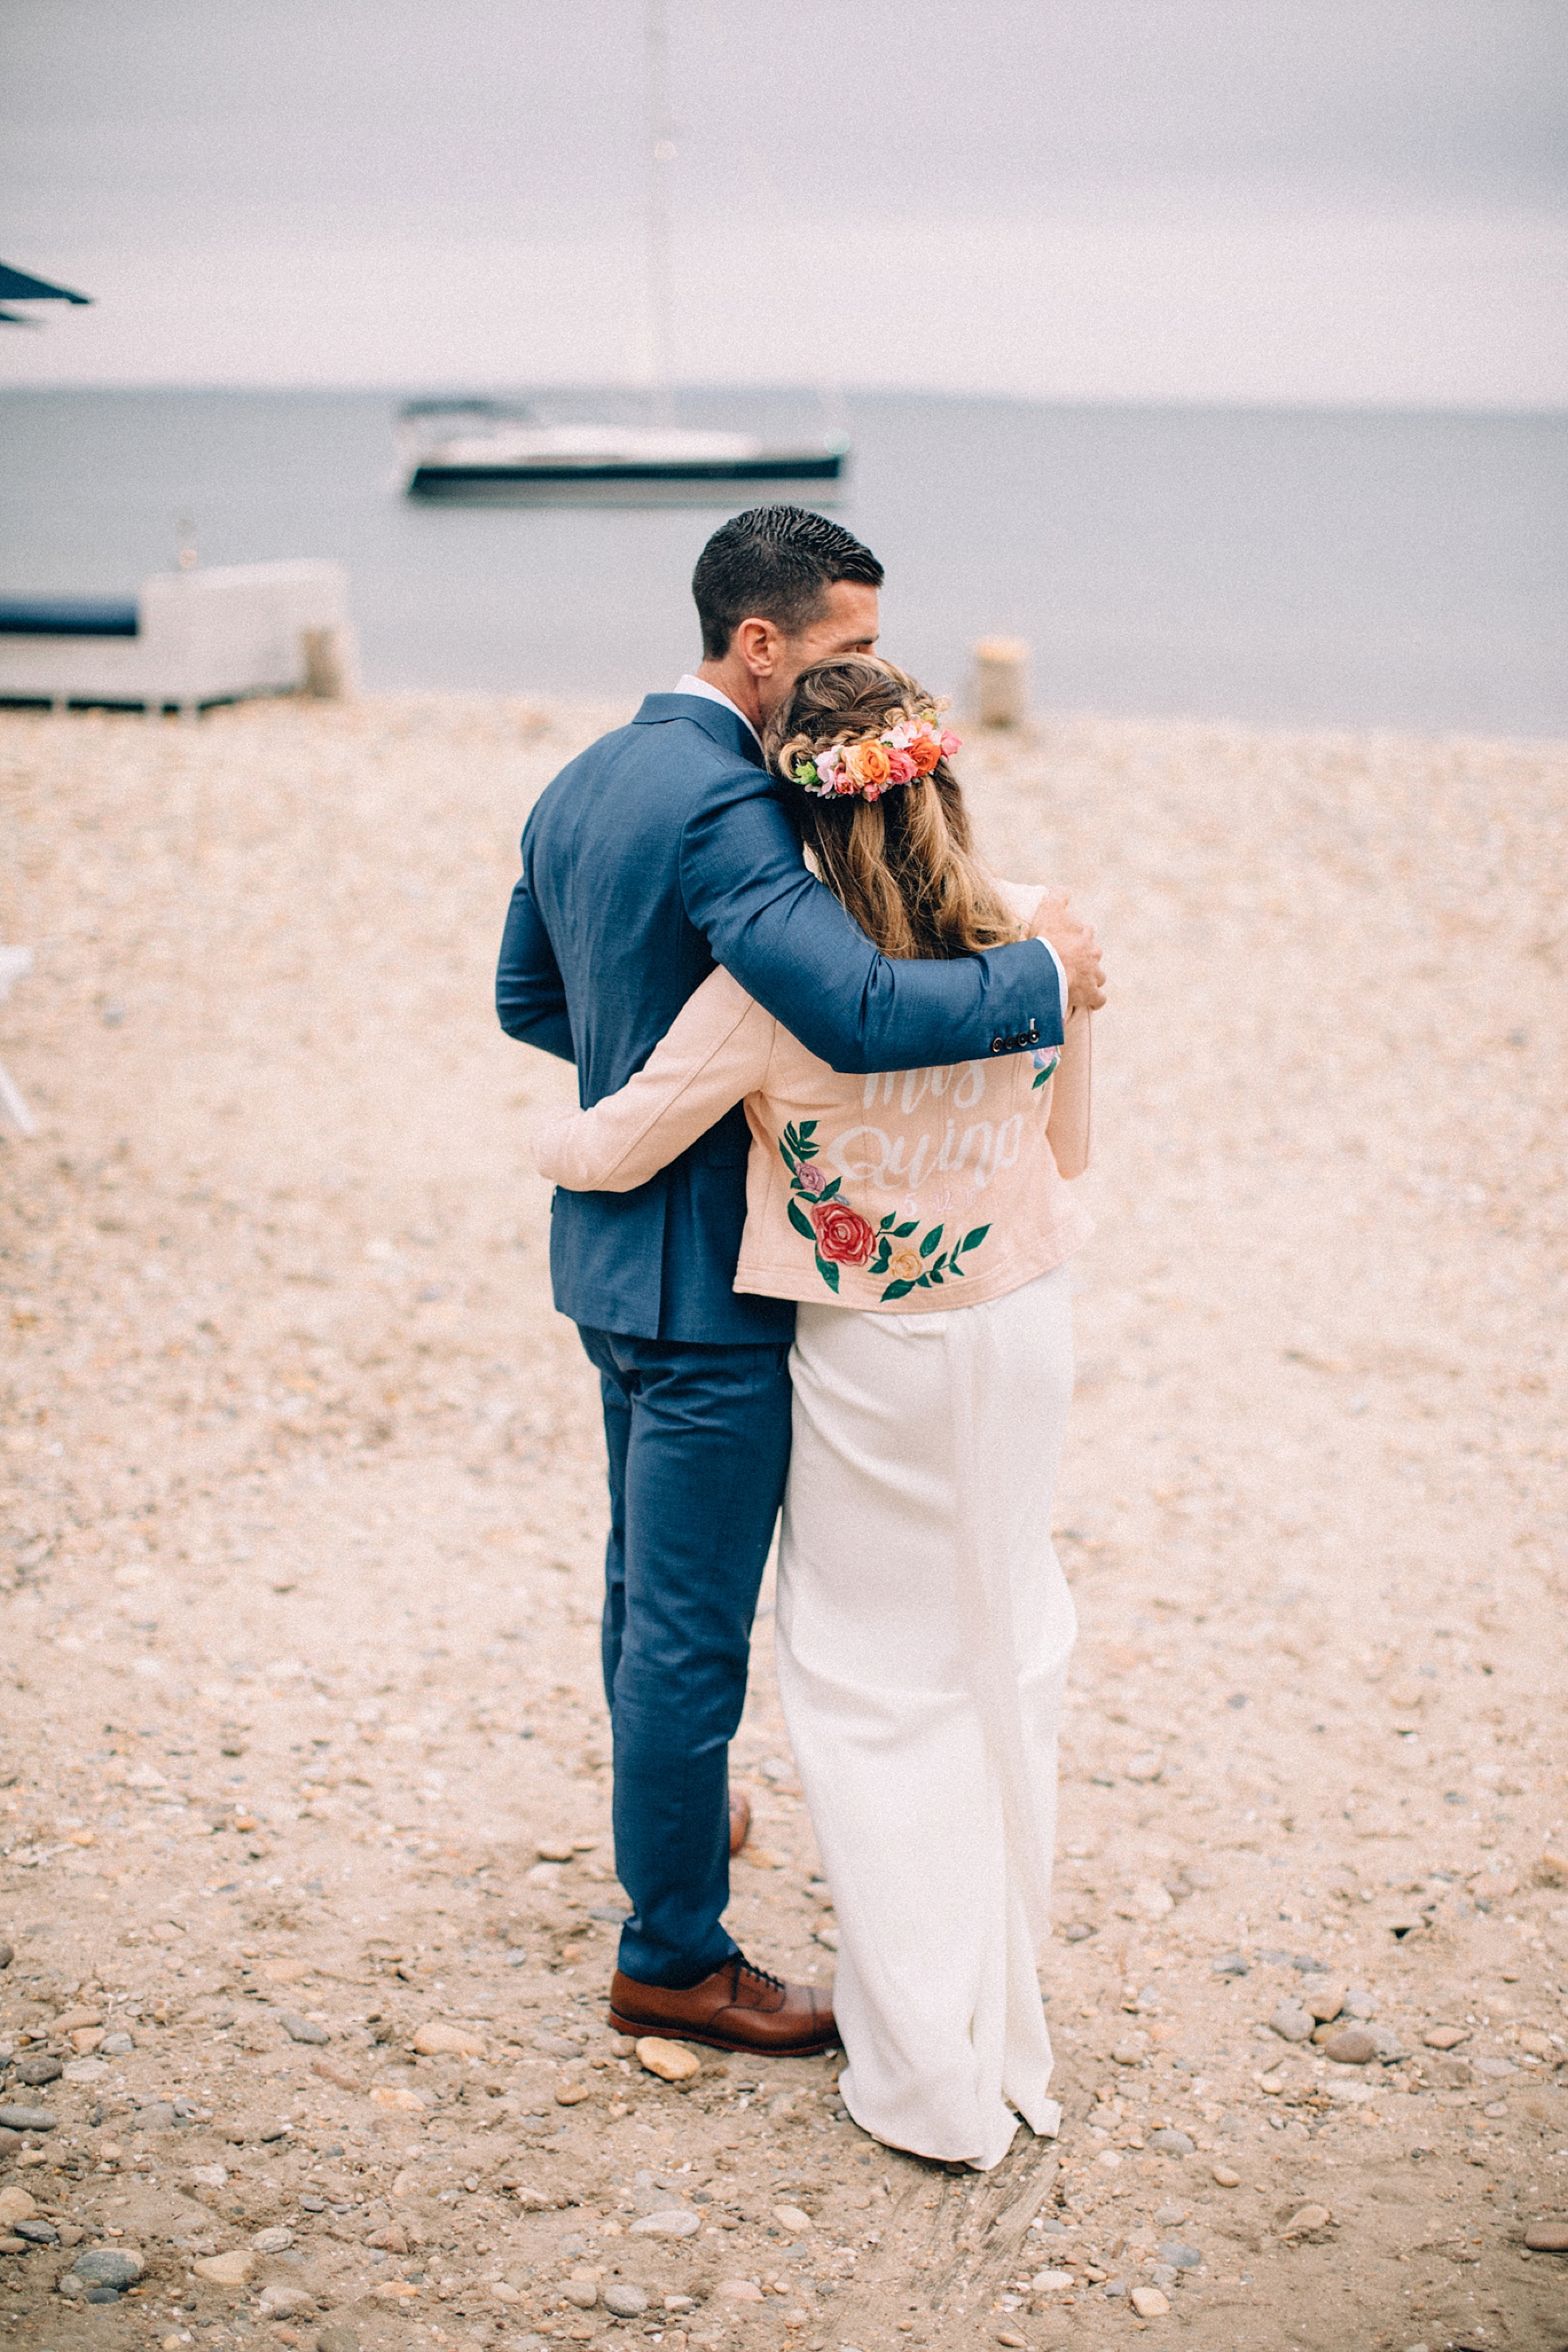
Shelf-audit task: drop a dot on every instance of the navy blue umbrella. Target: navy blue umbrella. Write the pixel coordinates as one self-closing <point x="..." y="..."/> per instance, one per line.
<point x="17" y="286"/>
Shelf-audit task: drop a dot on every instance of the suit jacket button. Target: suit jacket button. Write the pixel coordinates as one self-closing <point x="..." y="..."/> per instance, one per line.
<point x="999" y="1046"/>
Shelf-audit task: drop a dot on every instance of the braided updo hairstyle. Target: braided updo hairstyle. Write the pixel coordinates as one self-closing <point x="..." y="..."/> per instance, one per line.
<point x="904" y="866"/>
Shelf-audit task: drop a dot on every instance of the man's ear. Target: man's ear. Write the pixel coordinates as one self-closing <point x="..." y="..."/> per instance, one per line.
<point x="758" y="642"/>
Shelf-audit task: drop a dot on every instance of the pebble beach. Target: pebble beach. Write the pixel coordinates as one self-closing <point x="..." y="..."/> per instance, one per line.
<point x="307" y="1890"/>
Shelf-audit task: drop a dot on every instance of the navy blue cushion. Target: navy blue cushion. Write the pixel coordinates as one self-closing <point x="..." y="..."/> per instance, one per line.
<point x="66" y="617"/>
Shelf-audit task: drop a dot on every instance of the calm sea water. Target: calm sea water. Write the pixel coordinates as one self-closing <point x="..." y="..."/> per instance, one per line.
<point x="1278" y="567"/>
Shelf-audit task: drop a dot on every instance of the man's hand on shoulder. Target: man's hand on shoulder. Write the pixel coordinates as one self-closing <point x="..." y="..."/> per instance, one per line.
<point x="1075" y="943"/>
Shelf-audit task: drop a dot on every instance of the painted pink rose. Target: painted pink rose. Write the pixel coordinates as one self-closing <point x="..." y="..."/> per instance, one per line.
<point x="843" y="1235"/>
<point x="809" y="1177"/>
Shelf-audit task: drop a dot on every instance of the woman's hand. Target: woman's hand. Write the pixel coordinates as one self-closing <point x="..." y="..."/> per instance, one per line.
<point x="1076" y="944"/>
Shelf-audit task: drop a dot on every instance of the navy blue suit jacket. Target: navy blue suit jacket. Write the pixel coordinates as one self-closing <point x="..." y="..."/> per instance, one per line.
<point x="658" y="852"/>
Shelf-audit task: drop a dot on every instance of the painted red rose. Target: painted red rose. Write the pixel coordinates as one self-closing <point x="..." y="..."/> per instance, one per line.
<point x="843" y="1235"/>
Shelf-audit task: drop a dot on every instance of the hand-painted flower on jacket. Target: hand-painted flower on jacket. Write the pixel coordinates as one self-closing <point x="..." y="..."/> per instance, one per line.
<point x="926" y="1266"/>
<point x="843" y="1235"/>
<point x="797" y="1150"/>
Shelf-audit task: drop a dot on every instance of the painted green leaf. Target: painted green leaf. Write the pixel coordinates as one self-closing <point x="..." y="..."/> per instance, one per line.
<point x="897" y="1290"/>
<point x="808" y="1127"/>
<point x="829" y="1191"/>
<point x="930" y="1241"/>
<point x="829" y="1273"/>
<point x="973" y="1240"/>
<point x="801" y="1222"/>
<point x="902" y="1233"/>
<point x="886" y="1221"/>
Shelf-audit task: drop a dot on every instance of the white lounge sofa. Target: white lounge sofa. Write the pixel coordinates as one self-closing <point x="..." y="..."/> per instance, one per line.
<point x="190" y="638"/>
<point x="15" y="1118"/>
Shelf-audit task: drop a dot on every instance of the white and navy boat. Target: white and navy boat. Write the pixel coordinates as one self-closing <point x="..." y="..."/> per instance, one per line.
<point x="488" y="453"/>
<point x="496" y="453"/>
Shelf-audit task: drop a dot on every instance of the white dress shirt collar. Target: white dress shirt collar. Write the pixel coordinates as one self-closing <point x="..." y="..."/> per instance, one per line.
<point x="689" y="684"/>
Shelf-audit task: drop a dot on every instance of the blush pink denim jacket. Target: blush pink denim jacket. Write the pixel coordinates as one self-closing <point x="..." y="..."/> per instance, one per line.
<point x="908" y="1192"/>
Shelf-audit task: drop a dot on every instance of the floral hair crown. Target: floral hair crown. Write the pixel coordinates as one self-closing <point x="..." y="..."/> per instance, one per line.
<point x="900" y="755"/>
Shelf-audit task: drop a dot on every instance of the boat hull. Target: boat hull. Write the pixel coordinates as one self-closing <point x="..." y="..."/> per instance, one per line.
<point x="696" y="482"/>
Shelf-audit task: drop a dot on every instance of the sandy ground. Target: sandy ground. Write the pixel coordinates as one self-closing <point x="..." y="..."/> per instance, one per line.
<point x="301" y="1502"/>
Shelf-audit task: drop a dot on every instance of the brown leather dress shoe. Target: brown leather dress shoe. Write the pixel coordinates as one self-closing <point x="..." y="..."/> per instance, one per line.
<point x="739" y="1818"/>
<point x="737" y="2007"/>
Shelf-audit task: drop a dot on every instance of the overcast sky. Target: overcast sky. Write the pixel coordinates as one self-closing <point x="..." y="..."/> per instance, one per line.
<point x="1212" y="200"/>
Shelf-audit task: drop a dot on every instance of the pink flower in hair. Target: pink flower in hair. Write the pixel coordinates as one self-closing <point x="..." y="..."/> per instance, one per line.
<point x="901" y="769"/>
<point x="950" y="744"/>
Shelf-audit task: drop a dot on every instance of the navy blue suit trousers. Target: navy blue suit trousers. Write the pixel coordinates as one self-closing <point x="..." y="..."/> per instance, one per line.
<point x="699" y="1445"/>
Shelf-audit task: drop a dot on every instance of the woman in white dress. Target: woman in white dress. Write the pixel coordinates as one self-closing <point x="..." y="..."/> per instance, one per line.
<point x="923" y="1222"/>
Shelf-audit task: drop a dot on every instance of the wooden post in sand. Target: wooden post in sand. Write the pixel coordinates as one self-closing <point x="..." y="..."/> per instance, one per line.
<point x="1001" y="681"/>
<point x="331" y="664"/>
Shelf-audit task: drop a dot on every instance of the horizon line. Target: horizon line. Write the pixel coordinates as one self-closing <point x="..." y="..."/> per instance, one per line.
<point x="1369" y="405"/>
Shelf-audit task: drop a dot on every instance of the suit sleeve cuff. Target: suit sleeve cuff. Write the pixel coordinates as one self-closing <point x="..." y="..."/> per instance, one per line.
<point x="1041" y="1029"/>
<point x="1061" y="979"/>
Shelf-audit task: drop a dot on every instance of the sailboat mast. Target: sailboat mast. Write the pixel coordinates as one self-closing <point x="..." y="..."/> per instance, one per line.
<point x="661" y="163"/>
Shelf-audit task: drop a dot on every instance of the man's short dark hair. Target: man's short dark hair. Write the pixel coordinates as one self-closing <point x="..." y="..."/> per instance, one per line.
<point x="776" y="563"/>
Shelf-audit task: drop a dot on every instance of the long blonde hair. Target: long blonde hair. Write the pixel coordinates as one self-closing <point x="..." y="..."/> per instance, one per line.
<point x="904" y="866"/>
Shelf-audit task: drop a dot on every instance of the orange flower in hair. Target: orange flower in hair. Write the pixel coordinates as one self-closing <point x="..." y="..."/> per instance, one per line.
<point x="900" y="753"/>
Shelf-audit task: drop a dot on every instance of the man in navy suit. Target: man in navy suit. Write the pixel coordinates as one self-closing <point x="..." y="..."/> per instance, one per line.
<point x="660" y="851"/>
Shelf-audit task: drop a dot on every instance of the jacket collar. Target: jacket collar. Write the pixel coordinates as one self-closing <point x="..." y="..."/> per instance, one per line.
<point x="726" y="727"/>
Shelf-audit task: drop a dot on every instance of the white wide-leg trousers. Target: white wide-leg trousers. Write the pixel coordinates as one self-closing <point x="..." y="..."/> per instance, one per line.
<point x="924" y="1627"/>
